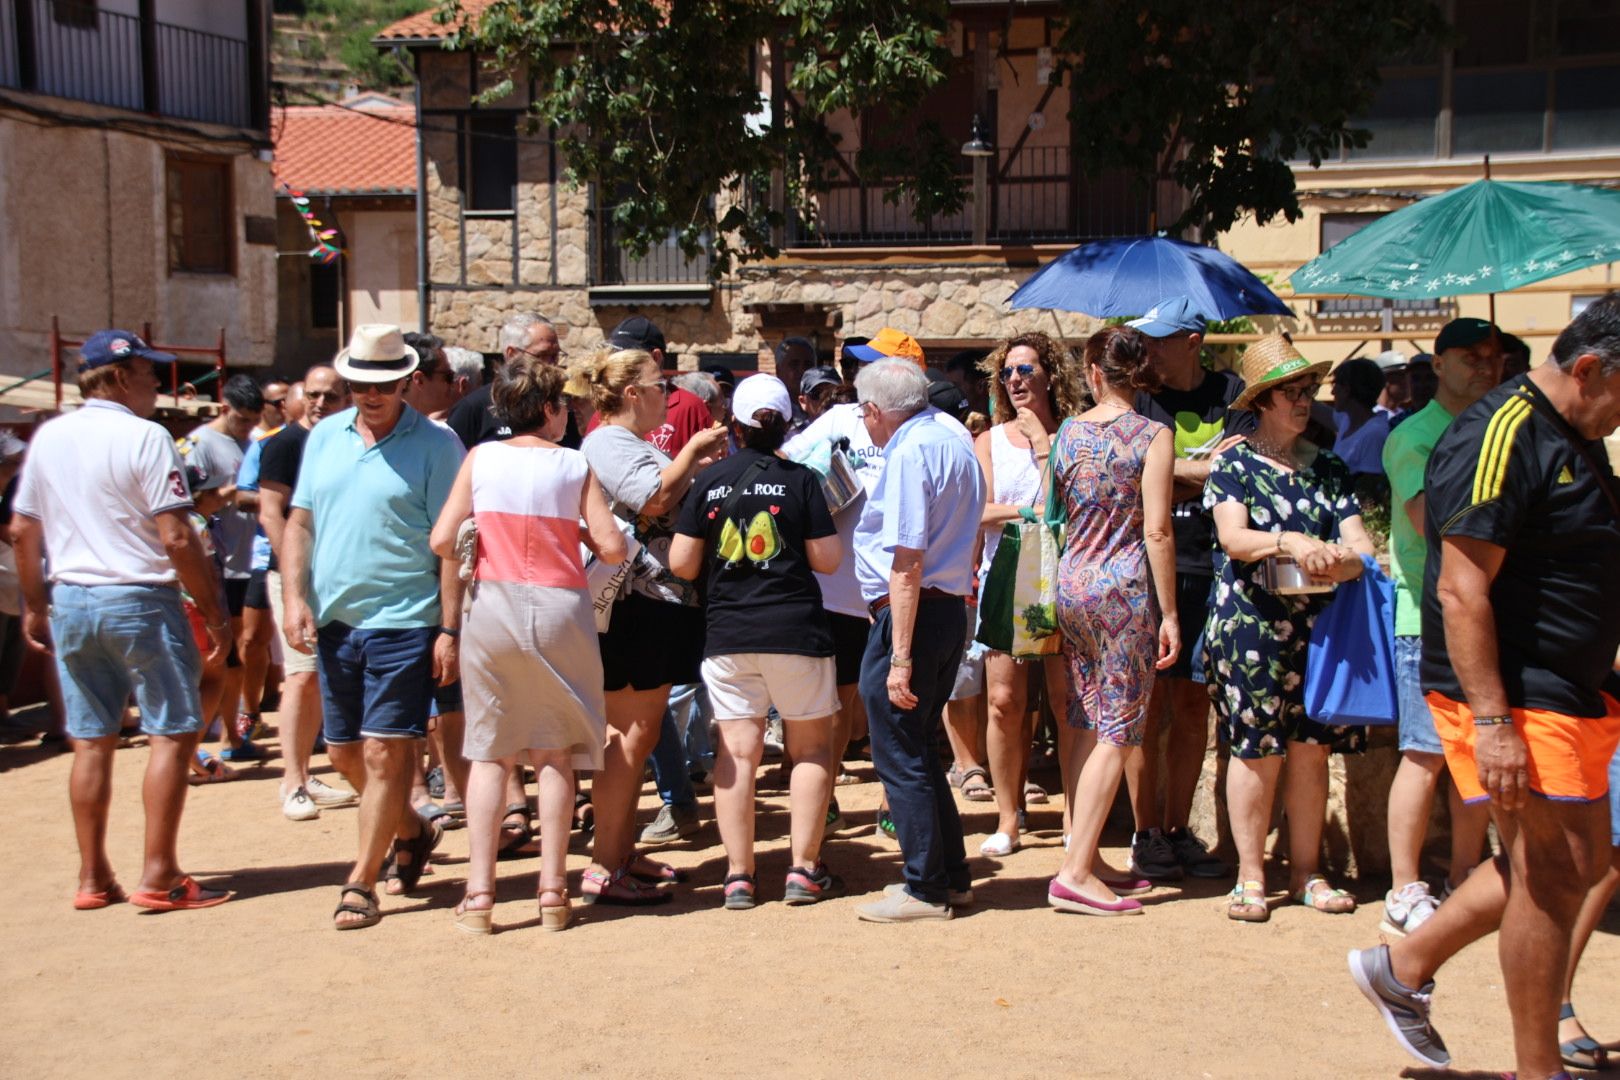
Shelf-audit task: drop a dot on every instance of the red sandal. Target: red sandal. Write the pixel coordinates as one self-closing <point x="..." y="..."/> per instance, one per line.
<point x="86" y="900"/>
<point x="620" y="888"/>
<point x="183" y="897"/>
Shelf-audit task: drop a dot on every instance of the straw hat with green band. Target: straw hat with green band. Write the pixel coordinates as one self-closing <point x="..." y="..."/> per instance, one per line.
<point x="1270" y="361"/>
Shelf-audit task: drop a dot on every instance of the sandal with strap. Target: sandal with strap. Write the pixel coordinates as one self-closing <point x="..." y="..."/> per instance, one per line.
<point x="1326" y="899"/>
<point x="1583" y="1051"/>
<point x="519" y="842"/>
<point x="653" y="872"/>
<point x="471" y="920"/>
<point x="188" y="895"/>
<point x="554" y="917"/>
<point x="92" y="900"/>
<point x="739" y="892"/>
<point x="418" y="847"/>
<point x="368" y="911"/>
<point x="1247" y="902"/>
<point x="1034" y="794"/>
<point x="621" y="889"/>
<point x="976" y="785"/>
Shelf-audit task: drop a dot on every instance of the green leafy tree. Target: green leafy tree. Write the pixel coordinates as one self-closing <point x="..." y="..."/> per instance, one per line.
<point x="657" y="103"/>
<point x="1220" y="97"/>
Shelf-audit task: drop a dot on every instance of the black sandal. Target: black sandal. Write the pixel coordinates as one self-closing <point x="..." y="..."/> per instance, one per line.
<point x="371" y="916"/>
<point x="518" y="839"/>
<point x="418" y="847"/>
<point x="1583" y="1052"/>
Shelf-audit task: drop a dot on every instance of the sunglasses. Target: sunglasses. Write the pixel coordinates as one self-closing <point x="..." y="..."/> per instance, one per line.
<point x="1023" y="371"/>
<point x="275" y="403"/>
<point x="364" y="389"/>
<point x="664" y="386"/>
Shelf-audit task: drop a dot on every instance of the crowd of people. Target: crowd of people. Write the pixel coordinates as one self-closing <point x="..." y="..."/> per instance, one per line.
<point x="583" y="571"/>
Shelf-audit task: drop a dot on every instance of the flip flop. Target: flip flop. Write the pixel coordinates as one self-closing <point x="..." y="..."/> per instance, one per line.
<point x="186" y="896"/>
<point x="84" y="900"/>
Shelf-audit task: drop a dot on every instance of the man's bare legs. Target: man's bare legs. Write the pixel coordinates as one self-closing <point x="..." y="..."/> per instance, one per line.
<point x="253" y="644"/>
<point x="90" y="794"/>
<point x="1592" y="909"/>
<point x="163" y="791"/>
<point x="300" y="723"/>
<point x="379" y="769"/>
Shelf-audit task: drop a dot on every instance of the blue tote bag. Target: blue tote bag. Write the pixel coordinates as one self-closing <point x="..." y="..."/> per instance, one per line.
<point x="1350" y="665"/>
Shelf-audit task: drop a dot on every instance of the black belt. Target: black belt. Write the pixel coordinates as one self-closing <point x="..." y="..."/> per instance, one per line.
<point x="929" y="593"/>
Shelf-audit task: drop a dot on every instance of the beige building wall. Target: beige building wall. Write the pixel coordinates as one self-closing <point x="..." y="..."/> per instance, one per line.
<point x="381" y="267"/>
<point x="83" y="227"/>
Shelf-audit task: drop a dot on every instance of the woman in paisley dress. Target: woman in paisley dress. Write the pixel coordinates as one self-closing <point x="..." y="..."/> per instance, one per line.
<point x="1277" y="494"/>
<point x="1114" y="469"/>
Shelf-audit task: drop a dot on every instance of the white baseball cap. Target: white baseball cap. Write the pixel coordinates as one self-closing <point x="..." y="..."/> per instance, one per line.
<point x="760" y="392"/>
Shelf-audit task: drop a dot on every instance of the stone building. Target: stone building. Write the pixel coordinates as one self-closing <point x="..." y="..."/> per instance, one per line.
<point x="134" y="174"/>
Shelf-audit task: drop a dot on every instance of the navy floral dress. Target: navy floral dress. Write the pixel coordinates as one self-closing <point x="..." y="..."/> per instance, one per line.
<point x="1255" y="640"/>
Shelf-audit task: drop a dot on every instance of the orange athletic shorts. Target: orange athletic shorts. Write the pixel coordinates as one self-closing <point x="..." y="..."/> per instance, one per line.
<point x="1568" y="755"/>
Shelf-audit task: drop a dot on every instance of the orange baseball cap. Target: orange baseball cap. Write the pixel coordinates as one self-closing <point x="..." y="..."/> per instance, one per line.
<point x="889" y="344"/>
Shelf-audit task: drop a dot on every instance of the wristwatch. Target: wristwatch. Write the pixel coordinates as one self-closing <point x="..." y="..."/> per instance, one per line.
<point x="896" y="660"/>
<point x="447" y="632"/>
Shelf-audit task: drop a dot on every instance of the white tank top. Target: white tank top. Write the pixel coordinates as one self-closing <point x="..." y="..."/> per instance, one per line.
<point x="1017" y="483"/>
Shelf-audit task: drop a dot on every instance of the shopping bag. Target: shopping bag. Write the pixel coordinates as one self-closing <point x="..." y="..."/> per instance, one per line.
<point x="996" y="594"/>
<point x="604" y="582"/>
<point x="1034" y="594"/>
<point x="1350" y="662"/>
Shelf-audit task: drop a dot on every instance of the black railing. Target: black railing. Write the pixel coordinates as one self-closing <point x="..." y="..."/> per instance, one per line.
<point x="1036" y="194"/>
<point x="80" y="52"/>
<point x="663" y="264"/>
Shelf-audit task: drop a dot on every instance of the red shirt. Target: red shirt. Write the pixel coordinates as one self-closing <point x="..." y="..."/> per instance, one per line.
<point x="686" y="415"/>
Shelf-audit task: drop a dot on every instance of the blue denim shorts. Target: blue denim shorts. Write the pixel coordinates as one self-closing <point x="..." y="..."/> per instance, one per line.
<point x="1614" y="799"/>
<point x="1416" y="722"/>
<point x="114" y="639"/>
<point x="375" y="684"/>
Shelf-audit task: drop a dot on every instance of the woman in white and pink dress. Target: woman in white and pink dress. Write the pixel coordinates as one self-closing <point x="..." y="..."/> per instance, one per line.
<point x="531" y="670"/>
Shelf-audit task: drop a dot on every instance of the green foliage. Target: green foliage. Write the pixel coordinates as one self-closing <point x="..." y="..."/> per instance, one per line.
<point x="352" y="24"/>
<point x="657" y="101"/>
<point x="1220" y="97"/>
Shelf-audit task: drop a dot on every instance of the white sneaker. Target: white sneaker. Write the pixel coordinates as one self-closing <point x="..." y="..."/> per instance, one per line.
<point x="324" y="794"/>
<point x="1407" y="908"/>
<point x="298" y="806"/>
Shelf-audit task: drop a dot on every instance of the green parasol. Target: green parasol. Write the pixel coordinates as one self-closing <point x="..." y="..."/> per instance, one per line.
<point x="1490" y="236"/>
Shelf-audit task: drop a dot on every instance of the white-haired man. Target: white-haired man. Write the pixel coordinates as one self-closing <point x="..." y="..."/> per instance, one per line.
<point x="524" y="333"/>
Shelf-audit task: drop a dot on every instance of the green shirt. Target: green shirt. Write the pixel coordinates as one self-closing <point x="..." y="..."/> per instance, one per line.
<point x="1406" y="455"/>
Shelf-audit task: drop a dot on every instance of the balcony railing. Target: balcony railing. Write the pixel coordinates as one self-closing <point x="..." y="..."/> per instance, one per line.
<point x="1036" y="195"/>
<point x="83" y="53"/>
<point x="664" y="264"/>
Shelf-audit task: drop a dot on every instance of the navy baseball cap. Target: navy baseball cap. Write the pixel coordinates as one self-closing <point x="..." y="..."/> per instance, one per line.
<point x="1462" y="333"/>
<point x="115" y="346"/>
<point x="638" y="332"/>
<point x="1177" y="315"/>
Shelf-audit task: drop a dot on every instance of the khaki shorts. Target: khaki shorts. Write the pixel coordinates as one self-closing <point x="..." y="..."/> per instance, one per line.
<point x="293" y="662"/>
<point x="743" y="686"/>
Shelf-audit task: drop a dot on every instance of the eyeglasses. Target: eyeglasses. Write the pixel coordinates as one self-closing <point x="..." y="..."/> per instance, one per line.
<point x="1023" y="371"/>
<point x="1300" y="391"/>
<point x="275" y="403"/>
<point x="545" y="356"/>
<point x="365" y="389"/>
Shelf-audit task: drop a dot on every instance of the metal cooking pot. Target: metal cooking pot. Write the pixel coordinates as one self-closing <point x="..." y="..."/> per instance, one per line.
<point x="1285" y="577"/>
<point x="832" y="463"/>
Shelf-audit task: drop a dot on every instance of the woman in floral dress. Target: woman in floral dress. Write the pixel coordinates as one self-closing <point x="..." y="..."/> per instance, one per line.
<point x="1277" y="494"/>
<point x="1114" y="469"/>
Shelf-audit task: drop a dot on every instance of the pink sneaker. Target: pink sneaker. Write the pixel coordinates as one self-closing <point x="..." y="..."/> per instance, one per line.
<point x="1064" y="898"/>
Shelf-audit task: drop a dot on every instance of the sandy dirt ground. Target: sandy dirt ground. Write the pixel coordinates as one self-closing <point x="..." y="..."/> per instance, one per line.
<point x="263" y="987"/>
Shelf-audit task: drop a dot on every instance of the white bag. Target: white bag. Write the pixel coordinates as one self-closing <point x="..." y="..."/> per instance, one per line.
<point x="604" y="582"/>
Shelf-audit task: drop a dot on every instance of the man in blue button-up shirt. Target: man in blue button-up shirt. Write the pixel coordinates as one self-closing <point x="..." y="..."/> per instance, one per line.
<point x="914" y="551"/>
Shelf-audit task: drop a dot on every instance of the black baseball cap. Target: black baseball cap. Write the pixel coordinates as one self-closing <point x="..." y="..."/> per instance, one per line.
<point x="638" y="332"/>
<point x="1462" y="333"/>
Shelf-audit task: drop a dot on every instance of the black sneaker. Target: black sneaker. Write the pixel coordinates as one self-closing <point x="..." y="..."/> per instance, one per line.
<point x="1193" y="856"/>
<point x="809" y="886"/>
<point x="1152" y="857"/>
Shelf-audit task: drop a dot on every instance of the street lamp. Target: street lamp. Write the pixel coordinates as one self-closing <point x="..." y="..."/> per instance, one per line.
<point x="979" y="151"/>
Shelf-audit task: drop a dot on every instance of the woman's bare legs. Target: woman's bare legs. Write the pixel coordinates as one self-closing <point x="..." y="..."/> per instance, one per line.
<point x="742" y="745"/>
<point x="633" y="718"/>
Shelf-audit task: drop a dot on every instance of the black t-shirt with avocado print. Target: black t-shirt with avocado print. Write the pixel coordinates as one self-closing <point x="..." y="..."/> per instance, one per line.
<point x="759" y="593"/>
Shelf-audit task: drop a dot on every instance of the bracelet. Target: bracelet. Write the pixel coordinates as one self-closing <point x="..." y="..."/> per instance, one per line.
<point x="223" y="624"/>
<point x="899" y="661"/>
<point x="449" y="633"/>
<point x="1492" y="721"/>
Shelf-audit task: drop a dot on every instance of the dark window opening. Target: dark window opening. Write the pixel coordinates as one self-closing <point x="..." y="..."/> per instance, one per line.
<point x="199" y="214"/>
<point x="80" y="13"/>
<point x="492" y="161"/>
<point x="323" y="295"/>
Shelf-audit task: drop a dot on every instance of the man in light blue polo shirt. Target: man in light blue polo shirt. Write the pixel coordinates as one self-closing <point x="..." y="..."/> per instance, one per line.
<point x="363" y="591"/>
<point x="914" y="551"/>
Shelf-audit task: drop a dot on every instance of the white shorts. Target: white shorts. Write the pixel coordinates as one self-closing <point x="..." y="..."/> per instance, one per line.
<point x="293" y="662"/>
<point x="743" y="686"/>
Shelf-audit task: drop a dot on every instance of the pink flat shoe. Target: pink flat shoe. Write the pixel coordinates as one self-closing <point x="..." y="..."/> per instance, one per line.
<point x="1127" y="886"/>
<point x="1064" y="898"/>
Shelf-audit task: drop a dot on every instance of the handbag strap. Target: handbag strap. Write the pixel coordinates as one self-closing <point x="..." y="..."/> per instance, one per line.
<point x="749" y="475"/>
<point x="1057" y="509"/>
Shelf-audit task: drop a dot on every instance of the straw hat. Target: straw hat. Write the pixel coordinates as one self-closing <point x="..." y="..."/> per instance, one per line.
<point x="377" y="353"/>
<point x="1272" y="360"/>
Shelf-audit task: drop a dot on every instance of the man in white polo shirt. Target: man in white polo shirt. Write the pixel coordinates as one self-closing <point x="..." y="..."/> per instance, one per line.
<point x="104" y="496"/>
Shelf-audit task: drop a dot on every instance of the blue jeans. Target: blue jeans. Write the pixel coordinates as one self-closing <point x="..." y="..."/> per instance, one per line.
<point x="1416" y="731"/>
<point x="669" y="756"/>
<point x="905" y="745"/>
<point x="111" y="639"/>
<point x="375" y="684"/>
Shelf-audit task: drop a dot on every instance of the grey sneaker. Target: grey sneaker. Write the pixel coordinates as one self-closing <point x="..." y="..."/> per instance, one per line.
<point x="1405" y="1011"/>
<point x="1407" y="908"/>
<point x="1193" y="856"/>
<point x="1152" y="857"/>
<point x="901" y="906"/>
<point x="954" y="898"/>
<point x="672" y="823"/>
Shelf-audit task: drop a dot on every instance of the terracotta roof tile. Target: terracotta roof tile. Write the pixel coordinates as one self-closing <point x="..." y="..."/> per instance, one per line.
<point x="328" y="149"/>
<point x="421" y="27"/>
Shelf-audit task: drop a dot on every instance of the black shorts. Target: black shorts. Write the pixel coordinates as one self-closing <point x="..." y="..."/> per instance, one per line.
<point x="650" y="644"/>
<point x="1194" y="595"/>
<point x="235" y="595"/>
<point x="257" y="596"/>
<point x="849" y="634"/>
